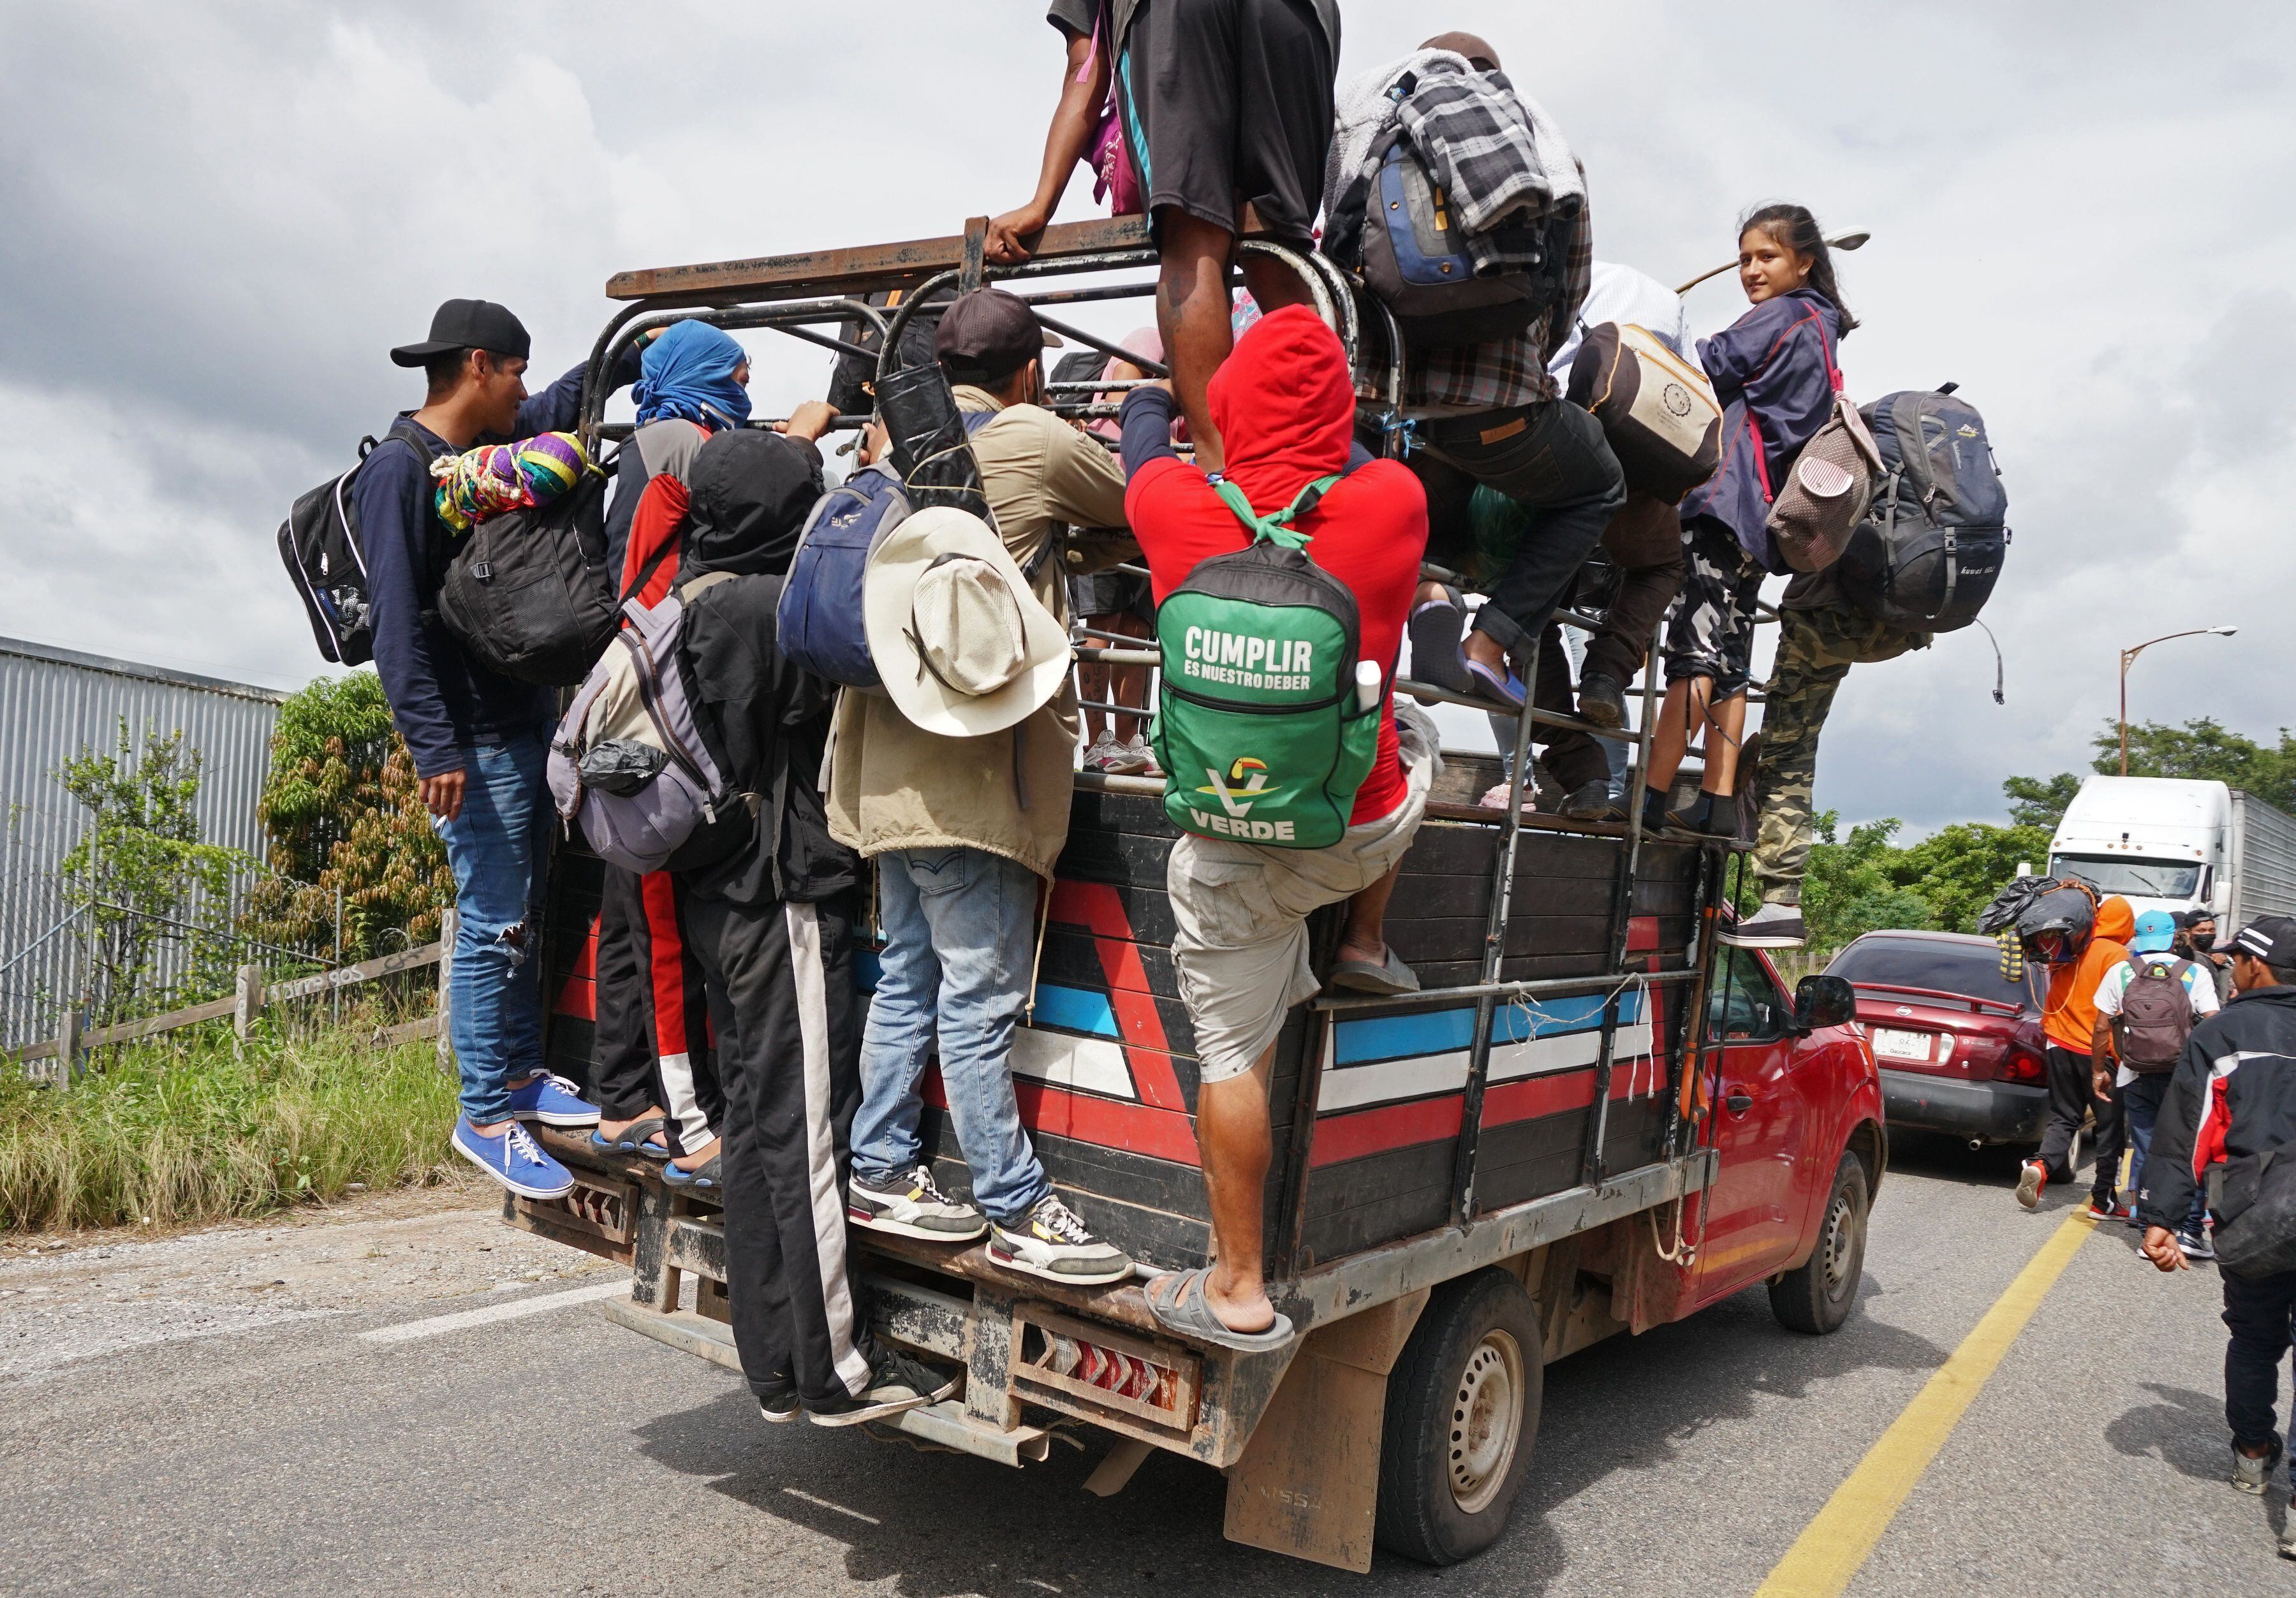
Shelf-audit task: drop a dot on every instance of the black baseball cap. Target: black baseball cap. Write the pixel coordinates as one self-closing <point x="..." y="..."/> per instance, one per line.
<point x="987" y="335"/>
<point x="2271" y="939"/>
<point x="468" y="325"/>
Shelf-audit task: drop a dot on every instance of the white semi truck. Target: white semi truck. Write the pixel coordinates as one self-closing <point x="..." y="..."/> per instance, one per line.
<point x="2166" y="843"/>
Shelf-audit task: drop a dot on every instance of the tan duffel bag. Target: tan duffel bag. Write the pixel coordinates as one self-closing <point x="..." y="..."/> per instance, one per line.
<point x="1660" y="415"/>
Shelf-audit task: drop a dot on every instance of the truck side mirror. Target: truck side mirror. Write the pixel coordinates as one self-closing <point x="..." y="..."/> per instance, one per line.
<point x="1822" y="1001"/>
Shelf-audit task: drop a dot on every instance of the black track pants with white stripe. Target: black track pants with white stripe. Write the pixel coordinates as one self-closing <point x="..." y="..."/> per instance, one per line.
<point x="789" y="1056"/>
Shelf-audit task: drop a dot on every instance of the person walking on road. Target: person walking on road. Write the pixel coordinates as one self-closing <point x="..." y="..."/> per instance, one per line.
<point x="2234" y="1095"/>
<point x="2196" y="940"/>
<point x="2069" y="1023"/>
<point x="2146" y="1008"/>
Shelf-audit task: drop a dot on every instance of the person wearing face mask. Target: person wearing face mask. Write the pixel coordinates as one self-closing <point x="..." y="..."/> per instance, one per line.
<point x="2196" y="940"/>
<point x="655" y="1083"/>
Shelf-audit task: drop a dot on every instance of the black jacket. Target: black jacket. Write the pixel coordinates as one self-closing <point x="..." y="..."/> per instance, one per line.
<point x="2234" y="1094"/>
<point x="767" y="722"/>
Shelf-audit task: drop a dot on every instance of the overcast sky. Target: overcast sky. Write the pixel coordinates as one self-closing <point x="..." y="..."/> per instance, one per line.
<point x="216" y="219"/>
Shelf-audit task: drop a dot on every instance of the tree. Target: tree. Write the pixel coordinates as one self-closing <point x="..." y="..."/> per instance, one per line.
<point x="2206" y="749"/>
<point x="343" y="809"/>
<point x="143" y="876"/>
<point x="2038" y="802"/>
<point x="1957" y="870"/>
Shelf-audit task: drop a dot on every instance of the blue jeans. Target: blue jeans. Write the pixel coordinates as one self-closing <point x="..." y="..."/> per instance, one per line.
<point x="496" y="847"/>
<point x="2142" y="1099"/>
<point x="958" y="925"/>
<point x="2260" y="1314"/>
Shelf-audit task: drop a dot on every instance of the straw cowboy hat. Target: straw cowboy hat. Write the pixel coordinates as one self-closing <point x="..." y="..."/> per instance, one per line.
<point x="963" y="644"/>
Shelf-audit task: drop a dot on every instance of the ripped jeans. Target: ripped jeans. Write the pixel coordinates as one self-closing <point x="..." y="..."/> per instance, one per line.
<point x="496" y="847"/>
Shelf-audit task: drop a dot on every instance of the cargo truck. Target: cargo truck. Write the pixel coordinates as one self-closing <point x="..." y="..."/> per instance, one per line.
<point x="1592" y="1119"/>
<point x="2174" y="844"/>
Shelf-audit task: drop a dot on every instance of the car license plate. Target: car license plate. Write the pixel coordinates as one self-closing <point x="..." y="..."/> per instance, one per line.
<point x="1901" y="1046"/>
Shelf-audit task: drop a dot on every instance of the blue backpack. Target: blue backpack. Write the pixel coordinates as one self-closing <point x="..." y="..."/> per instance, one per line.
<point x="820" y="619"/>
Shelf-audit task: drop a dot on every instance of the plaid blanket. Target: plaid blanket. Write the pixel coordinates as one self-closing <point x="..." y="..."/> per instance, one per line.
<point x="1487" y="149"/>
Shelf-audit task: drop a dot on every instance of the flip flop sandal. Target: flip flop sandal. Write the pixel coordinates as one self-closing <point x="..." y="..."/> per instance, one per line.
<point x="633" y="1139"/>
<point x="1437" y="627"/>
<point x="1484" y="682"/>
<point x="1190" y="1315"/>
<point x="704" y="1175"/>
<point x="1389" y="976"/>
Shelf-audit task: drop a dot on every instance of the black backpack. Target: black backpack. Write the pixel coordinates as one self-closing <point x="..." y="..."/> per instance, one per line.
<point x="528" y="595"/>
<point x="1929" y="550"/>
<point x="319" y="543"/>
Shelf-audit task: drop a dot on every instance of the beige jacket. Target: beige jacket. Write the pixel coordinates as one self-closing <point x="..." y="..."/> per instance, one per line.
<point x="894" y="786"/>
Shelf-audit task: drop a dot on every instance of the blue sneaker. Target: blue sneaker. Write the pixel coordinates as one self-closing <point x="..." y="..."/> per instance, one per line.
<point x="553" y="1101"/>
<point x="514" y="1159"/>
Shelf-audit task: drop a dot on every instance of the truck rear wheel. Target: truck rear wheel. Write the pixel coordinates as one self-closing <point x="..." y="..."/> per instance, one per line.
<point x="1818" y="1297"/>
<point x="1461" y="1412"/>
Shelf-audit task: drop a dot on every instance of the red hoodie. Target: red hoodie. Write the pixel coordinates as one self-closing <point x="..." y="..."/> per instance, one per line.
<point x="1286" y="406"/>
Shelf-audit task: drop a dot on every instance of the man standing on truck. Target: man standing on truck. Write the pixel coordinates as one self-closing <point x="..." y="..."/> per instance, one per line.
<point x="964" y="828"/>
<point x="773" y="926"/>
<point x="2068" y="1024"/>
<point x="1492" y="413"/>
<point x="2233" y="1097"/>
<point x="477" y="739"/>
<point x="1222" y="115"/>
<point x="1286" y="403"/>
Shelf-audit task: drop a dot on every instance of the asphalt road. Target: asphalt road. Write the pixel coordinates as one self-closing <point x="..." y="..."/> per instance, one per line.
<point x="557" y="1453"/>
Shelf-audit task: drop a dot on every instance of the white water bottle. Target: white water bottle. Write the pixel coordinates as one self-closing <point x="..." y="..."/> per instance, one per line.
<point x="1367" y="684"/>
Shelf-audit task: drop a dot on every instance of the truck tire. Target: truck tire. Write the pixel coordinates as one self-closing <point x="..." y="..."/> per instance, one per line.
<point x="1817" y="1298"/>
<point x="1461" y="1412"/>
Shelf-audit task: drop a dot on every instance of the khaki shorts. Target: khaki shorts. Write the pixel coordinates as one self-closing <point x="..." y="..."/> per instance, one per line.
<point x="1241" y="911"/>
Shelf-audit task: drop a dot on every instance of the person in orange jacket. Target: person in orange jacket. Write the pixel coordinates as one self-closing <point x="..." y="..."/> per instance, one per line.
<point x="2069" y="1022"/>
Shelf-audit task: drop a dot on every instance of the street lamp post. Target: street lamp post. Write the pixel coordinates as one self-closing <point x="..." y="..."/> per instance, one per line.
<point x="2130" y="654"/>
<point x="1840" y="240"/>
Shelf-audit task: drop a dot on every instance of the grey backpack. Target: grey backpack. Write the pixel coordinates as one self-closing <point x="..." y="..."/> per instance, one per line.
<point x="628" y="760"/>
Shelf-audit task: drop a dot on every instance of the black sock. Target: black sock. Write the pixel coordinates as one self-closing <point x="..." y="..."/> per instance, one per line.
<point x="1654" y="808"/>
<point x="1696" y="815"/>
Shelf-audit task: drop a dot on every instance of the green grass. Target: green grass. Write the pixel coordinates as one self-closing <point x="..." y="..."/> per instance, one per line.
<point x="180" y="1130"/>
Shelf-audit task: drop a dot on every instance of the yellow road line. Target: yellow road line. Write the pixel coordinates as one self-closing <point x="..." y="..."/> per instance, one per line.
<point x="1833" y="1547"/>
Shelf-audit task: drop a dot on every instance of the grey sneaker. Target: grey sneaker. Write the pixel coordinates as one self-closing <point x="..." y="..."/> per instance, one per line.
<point x="1591" y="801"/>
<point x="780" y="1407"/>
<point x="914" y="1205"/>
<point x="1131" y="758"/>
<point x="2251" y="1476"/>
<point x="2194" y="1245"/>
<point x="1602" y="701"/>
<point x="896" y="1382"/>
<point x="1053" y="1242"/>
<point x="1772" y="926"/>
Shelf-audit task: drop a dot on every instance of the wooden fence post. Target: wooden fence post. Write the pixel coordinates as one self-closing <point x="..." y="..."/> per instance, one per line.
<point x="67" y="1048"/>
<point x="246" y="1004"/>
<point x="449" y="924"/>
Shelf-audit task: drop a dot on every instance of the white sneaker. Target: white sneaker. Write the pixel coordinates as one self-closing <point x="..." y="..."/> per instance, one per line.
<point x="912" y="1206"/>
<point x="1054" y="1243"/>
<point x="1130" y="758"/>
<point x="1772" y="926"/>
<point x="1495" y="799"/>
<point x="2252" y="1475"/>
<point x="1104" y="751"/>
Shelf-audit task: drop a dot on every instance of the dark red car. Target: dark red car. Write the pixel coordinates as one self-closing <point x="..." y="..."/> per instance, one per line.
<point x="1959" y="1047"/>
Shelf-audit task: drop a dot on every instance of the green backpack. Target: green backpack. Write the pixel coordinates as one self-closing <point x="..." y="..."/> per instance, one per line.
<point x="1259" y="719"/>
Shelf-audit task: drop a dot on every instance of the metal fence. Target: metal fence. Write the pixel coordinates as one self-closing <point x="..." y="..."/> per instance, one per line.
<point x="55" y="704"/>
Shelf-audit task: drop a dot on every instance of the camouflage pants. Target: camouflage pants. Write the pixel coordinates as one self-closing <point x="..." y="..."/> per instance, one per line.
<point x="1816" y="651"/>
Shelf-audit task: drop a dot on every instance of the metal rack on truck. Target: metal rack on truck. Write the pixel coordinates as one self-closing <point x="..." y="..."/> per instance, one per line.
<point x="1591" y="1118"/>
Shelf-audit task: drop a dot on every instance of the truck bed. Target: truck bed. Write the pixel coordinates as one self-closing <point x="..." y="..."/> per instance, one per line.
<point x="1367" y="1107"/>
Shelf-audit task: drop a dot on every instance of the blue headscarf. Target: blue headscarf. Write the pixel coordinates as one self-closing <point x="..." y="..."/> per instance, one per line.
<point x="689" y="372"/>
